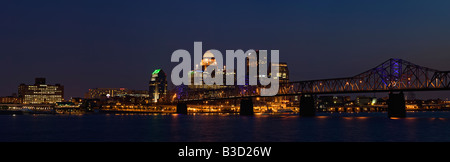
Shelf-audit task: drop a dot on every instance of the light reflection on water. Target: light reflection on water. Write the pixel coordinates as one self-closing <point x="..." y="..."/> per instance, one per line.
<point x="330" y="127"/>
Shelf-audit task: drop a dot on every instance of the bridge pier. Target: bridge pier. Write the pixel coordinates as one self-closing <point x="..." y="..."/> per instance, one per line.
<point x="246" y="107"/>
<point x="181" y="108"/>
<point x="307" y="106"/>
<point x="396" y="105"/>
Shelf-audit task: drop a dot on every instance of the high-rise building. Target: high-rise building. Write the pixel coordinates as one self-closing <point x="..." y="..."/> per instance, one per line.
<point x="208" y="60"/>
<point x="254" y="65"/>
<point x="283" y="72"/>
<point x="41" y="93"/>
<point x="157" y="85"/>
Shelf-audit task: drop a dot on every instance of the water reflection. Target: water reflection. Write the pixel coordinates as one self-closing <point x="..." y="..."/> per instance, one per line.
<point x="227" y="127"/>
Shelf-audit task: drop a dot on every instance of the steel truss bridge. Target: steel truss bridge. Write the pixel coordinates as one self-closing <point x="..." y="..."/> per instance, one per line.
<point x="391" y="75"/>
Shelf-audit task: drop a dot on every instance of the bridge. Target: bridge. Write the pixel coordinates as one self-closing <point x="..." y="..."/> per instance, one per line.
<point x="393" y="76"/>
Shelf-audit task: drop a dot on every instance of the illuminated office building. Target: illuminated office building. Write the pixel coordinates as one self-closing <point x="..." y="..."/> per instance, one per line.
<point x="208" y="60"/>
<point x="41" y="93"/>
<point x="157" y="85"/>
<point x="283" y="72"/>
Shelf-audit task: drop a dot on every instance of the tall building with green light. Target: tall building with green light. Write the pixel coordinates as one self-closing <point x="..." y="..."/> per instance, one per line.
<point x="158" y="85"/>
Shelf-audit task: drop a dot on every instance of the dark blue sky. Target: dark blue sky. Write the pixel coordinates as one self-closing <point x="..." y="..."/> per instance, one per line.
<point x="88" y="44"/>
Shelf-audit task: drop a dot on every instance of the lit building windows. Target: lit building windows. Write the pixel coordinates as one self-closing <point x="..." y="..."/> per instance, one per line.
<point x="41" y="93"/>
<point x="157" y="85"/>
<point x="98" y="93"/>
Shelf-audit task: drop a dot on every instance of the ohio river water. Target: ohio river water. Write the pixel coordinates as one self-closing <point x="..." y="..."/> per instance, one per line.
<point x="325" y="127"/>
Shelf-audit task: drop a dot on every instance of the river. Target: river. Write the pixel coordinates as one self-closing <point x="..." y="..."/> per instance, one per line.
<point x="325" y="127"/>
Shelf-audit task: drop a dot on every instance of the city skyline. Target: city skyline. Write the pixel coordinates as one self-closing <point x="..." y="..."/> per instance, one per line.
<point x="120" y="45"/>
<point x="40" y="80"/>
<point x="225" y="80"/>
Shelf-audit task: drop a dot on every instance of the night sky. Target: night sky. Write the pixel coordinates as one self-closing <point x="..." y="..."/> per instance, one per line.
<point x="99" y="44"/>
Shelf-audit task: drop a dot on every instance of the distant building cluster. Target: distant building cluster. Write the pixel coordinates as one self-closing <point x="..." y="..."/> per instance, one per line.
<point x="210" y="61"/>
<point x="99" y="93"/>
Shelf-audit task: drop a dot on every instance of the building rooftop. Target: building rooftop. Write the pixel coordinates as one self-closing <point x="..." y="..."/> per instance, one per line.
<point x="156" y="71"/>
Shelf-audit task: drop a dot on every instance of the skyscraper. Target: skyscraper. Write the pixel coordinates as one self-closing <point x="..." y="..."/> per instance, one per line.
<point x="283" y="72"/>
<point x="157" y="85"/>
